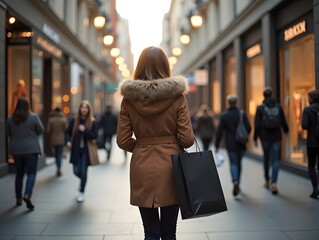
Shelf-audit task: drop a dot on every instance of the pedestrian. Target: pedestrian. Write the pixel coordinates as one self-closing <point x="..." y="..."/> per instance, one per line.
<point x="56" y="127"/>
<point x="81" y="128"/>
<point x="108" y="123"/>
<point x="229" y="120"/>
<point x="153" y="118"/>
<point x="269" y="120"/>
<point x="310" y="122"/>
<point x="24" y="128"/>
<point x="205" y="125"/>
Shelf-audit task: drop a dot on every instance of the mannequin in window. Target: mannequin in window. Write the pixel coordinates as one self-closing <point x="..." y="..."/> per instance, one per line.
<point x="19" y="92"/>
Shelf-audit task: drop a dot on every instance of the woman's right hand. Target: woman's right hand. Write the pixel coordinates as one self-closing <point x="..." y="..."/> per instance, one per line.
<point x="69" y="144"/>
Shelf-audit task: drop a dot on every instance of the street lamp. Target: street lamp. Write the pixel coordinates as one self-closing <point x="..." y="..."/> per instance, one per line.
<point x="108" y="40"/>
<point x="196" y="20"/>
<point x="115" y="52"/>
<point x="185" y="39"/>
<point x="99" y="22"/>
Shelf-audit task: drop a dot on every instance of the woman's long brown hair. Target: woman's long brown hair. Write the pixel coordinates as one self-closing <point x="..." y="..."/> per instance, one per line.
<point x="89" y="118"/>
<point x="152" y="64"/>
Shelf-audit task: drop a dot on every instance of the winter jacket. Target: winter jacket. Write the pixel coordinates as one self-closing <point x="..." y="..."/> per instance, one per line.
<point x="269" y="135"/>
<point x="228" y="123"/>
<point x="108" y="123"/>
<point x="56" y="127"/>
<point x="24" y="138"/>
<point x="309" y="120"/>
<point x="205" y="127"/>
<point x="153" y="115"/>
<point x="76" y="139"/>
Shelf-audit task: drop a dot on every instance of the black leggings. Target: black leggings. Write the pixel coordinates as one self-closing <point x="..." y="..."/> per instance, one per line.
<point x="155" y="226"/>
<point x="313" y="160"/>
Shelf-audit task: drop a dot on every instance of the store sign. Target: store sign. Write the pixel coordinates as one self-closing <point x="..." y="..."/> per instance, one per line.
<point x="295" y="30"/>
<point x="50" y="33"/>
<point x="201" y="77"/>
<point x="49" y="47"/>
<point x="253" y="51"/>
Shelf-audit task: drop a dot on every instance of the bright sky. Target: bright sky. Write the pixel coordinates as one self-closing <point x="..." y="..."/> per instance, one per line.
<point x="145" y="19"/>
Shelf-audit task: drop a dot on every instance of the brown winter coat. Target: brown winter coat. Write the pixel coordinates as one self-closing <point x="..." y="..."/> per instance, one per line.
<point x="154" y="113"/>
<point x="56" y="126"/>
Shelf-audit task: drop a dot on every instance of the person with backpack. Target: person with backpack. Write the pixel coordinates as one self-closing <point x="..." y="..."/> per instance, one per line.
<point x="269" y="120"/>
<point x="310" y="122"/>
<point x="228" y="124"/>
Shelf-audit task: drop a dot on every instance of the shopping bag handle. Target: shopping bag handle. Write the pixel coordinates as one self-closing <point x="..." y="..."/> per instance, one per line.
<point x="185" y="149"/>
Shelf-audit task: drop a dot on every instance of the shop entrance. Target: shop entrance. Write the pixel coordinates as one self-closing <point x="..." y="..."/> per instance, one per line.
<point x="297" y="78"/>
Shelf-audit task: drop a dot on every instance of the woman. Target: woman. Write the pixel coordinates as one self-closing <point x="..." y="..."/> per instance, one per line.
<point x="81" y="128"/>
<point x="56" y="126"/>
<point x="309" y="122"/>
<point x="23" y="129"/>
<point x="205" y="126"/>
<point x="155" y="110"/>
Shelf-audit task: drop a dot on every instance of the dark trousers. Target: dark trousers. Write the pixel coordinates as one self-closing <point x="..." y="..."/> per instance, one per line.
<point x="58" y="150"/>
<point x="80" y="170"/>
<point x="108" y="145"/>
<point x="235" y="158"/>
<point x="163" y="226"/>
<point x="271" y="155"/>
<point x="313" y="160"/>
<point x="25" y="163"/>
<point x="206" y="142"/>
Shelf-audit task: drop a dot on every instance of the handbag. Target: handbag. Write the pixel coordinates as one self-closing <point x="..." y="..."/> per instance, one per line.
<point x="197" y="183"/>
<point x="93" y="152"/>
<point x="241" y="131"/>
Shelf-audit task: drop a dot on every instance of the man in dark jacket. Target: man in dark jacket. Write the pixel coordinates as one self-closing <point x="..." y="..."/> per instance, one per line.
<point x="270" y="137"/>
<point x="310" y="123"/>
<point x="108" y="123"/>
<point x="228" y="123"/>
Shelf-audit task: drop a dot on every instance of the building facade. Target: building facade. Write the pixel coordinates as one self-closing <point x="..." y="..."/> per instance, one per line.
<point x="56" y="51"/>
<point x="243" y="46"/>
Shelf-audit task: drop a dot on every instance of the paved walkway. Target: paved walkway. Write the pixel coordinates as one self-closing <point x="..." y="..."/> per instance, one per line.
<point x="107" y="215"/>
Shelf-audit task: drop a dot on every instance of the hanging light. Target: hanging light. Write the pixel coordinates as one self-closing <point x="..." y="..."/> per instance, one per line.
<point x="196" y="20"/>
<point x="115" y="52"/>
<point x="185" y="39"/>
<point x="176" y="51"/>
<point x="99" y="22"/>
<point x="108" y="40"/>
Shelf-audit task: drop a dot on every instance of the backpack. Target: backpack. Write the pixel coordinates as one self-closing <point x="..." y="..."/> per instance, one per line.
<point x="241" y="131"/>
<point x="271" y="117"/>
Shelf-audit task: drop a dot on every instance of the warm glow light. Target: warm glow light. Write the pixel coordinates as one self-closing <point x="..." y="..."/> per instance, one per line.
<point x="185" y="39"/>
<point x="74" y="90"/>
<point x="125" y="73"/>
<point x="99" y="22"/>
<point x="115" y="52"/>
<point x="108" y="40"/>
<point x="12" y="20"/>
<point x="86" y="22"/>
<point x="177" y="51"/>
<point x="172" y="60"/>
<point x="119" y="60"/>
<point x="122" y="66"/>
<point x="66" y="110"/>
<point x="196" y="21"/>
<point x="66" y="98"/>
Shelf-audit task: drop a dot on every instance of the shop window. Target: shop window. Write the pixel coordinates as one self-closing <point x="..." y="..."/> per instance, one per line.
<point x="255" y="84"/>
<point x="297" y="79"/>
<point x="230" y="76"/>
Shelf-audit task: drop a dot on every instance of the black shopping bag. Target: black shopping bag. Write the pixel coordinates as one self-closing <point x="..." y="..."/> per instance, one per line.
<point x="198" y="184"/>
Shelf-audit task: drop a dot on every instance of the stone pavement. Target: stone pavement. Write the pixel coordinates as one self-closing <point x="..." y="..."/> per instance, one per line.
<point x="107" y="215"/>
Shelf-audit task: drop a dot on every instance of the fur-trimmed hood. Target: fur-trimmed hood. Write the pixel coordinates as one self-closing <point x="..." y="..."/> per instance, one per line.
<point x="153" y="89"/>
<point x="143" y="93"/>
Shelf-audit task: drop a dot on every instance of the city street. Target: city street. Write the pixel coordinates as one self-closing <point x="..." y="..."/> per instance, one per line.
<point x="106" y="214"/>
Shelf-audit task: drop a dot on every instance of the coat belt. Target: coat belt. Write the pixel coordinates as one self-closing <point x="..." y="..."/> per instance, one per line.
<point x="156" y="140"/>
